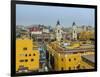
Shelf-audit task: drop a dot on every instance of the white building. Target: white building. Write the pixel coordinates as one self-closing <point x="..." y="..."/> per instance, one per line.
<point x="45" y="30"/>
<point x="35" y="30"/>
<point x="58" y="31"/>
<point x="74" y="31"/>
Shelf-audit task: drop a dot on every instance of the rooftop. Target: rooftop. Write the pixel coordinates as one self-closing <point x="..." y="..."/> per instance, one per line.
<point x="64" y="50"/>
<point x="90" y="57"/>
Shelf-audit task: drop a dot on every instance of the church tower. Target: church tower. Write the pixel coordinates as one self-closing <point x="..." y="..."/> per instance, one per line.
<point x="58" y="31"/>
<point x="74" y="31"/>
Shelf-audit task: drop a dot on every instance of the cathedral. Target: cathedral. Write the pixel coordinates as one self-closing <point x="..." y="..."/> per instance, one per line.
<point x="74" y="31"/>
<point x="58" y="31"/>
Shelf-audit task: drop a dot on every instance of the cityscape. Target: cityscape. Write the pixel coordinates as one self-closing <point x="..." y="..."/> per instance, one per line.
<point x="46" y="47"/>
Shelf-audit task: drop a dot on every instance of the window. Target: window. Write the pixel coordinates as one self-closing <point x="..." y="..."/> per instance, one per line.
<point x="34" y="54"/>
<point x="74" y="58"/>
<point x="26" y="60"/>
<point x="58" y="31"/>
<point x="62" y="59"/>
<point x="62" y="68"/>
<point x="81" y="52"/>
<point x="24" y="48"/>
<point x="32" y="59"/>
<point x="74" y="31"/>
<point x="78" y="67"/>
<point x="29" y="54"/>
<point x="25" y="54"/>
<point x="21" y="60"/>
<point x="69" y="68"/>
<point x="69" y="59"/>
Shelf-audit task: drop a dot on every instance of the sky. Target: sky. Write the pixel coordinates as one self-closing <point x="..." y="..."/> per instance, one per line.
<point x="35" y="14"/>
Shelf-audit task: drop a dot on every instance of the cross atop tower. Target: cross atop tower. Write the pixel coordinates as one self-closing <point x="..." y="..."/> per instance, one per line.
<point x="58" y="22"/>
<point x="73" y="24"/>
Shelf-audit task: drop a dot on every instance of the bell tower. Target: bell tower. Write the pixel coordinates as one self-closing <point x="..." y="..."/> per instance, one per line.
<point x="58" y="31"/>
<point x="74" y="31"/>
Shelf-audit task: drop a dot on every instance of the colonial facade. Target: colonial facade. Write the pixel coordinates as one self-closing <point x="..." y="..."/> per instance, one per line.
<point x="58" y="31"/>
<point x="74" y="31"/>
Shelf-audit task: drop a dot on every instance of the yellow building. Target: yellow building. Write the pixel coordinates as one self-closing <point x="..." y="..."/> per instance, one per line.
<point x="67" y="59"/>
<point x="86" y="35"/>
<point x="27" y="55"/>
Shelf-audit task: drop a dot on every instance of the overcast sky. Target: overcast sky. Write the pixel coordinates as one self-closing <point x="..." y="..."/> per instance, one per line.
<point x="35" y="14"/>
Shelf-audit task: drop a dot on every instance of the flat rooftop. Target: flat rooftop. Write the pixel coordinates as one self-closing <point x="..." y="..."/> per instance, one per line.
<point x="65" y="50"/>
<point x="90" y="57"/>
<point x="77" y="50"/>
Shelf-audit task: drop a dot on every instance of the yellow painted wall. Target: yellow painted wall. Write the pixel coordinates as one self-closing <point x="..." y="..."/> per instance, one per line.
<point x="31" y="52"/>
<point x="67" y="61"/>
<point x="70" y="62"/>
<point x="62" y="62"/>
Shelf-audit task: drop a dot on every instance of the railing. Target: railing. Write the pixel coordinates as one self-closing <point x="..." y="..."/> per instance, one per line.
<point x="60" y="50"/>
